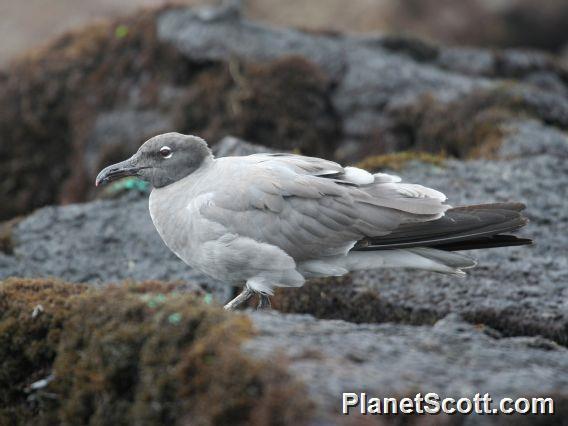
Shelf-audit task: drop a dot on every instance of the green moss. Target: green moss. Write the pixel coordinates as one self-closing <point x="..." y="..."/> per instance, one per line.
<point x="121" y="31"/>
<point x="135" y="354"/>
<point x="398" y="160"/>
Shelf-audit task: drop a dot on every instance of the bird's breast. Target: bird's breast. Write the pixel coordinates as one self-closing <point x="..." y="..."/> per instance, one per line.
<point x="180" y="224"/>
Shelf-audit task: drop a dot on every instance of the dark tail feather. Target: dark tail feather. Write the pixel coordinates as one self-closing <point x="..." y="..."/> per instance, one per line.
<point x="486" y="242"/>
<point x="461" y="228"/>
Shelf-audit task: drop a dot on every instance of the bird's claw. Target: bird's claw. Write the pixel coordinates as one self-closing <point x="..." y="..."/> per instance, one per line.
<point x="263" y="302"/>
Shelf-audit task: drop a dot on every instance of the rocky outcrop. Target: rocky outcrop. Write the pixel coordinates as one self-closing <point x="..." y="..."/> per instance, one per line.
<point x="479" y="125"/>
<point x="116" y="239"/>
<point x="451" y="358"/>
<point x="144" y="354"/>
<point x="99" y="92"/>
<point x="503" y="329"/>
<point x="507" y="23"/>
<point x="517" y="291"/>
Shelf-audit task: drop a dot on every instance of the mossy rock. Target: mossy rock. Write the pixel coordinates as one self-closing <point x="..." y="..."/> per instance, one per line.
<point x="471" y="126"/>
<point x="283" y="104"/>
<point x="134" y="354"/>
<point x="338" y="298"/>
<point x="398" y="160"/>
<point x="32" y="313"/>
<point x="50" y="96"/>
<point x="6" y="235"/>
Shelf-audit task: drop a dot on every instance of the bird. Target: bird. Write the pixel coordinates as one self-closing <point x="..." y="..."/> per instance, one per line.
<point x="274" y="220"/>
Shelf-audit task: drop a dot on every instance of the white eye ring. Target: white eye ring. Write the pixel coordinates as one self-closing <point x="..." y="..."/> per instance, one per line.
<point x="166" y="152"/>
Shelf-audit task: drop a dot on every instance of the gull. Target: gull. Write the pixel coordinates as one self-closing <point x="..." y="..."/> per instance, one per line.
<point x="276" y="220"/>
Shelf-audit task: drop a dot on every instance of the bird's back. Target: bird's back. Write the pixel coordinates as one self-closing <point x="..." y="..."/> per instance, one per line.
<point x="309" y="207"/>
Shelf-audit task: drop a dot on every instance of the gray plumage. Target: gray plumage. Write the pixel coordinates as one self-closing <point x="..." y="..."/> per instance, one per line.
<point x="273" y="220"/>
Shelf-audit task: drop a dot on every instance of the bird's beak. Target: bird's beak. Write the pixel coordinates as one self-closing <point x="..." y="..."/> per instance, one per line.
<point x="118" y="170"/>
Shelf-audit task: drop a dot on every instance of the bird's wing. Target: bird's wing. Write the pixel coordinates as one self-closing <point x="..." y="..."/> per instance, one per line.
<point x="312" y="207"/>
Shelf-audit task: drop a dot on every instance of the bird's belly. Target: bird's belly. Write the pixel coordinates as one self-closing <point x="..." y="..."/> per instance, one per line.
<point x="212" y="255"/>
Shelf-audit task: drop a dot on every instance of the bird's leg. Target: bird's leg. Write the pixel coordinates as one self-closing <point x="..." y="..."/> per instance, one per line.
<point x="263" y="301"/>
<point x="243" y="297"/>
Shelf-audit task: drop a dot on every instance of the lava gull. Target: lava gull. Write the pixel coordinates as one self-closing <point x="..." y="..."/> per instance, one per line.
<point x="275" y="220"/>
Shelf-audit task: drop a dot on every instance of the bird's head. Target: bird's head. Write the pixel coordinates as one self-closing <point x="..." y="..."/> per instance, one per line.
<point x="161" y="160"/>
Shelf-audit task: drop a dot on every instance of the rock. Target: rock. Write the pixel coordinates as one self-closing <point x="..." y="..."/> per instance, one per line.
<point x="115" y="135"/>
<point x="451" y="358"/>
<point x="374" y="75"/>
<point x="508" y="63"/>
<point x="116" y="241"/>
<point x="53" y="96"/>
<point x="230" y="146"/>
<point x="505" y="23"/>
<point x="468" y="60"/>
<point x="526" y="138"/>
<point x="502" y="330"/>
<point x="212" y="72"/>
<point x="520" y="291"/>
<point x="134" y="354"/>
<point x="547" y="81"/>
<point x="212" y="37"/>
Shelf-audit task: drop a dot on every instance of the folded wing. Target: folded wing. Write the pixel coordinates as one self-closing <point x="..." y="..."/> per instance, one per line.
<point x="311" y="207"/>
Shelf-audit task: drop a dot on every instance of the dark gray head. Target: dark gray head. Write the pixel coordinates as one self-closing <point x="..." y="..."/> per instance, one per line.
<point x="161" y="160"/>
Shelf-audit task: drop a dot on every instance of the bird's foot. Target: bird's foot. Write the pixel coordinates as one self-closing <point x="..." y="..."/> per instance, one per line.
<point x="263" y="302"/>
<point x="243" y="297"/>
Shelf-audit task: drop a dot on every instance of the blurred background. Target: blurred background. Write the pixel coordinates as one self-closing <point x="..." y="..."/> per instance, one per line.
<point x="502" y="23"/>
<point x="88" y="81"/>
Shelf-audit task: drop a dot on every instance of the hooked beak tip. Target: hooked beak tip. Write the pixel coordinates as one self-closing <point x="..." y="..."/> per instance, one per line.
<point x="116" y="171"/>
<point x="102" y="178"/>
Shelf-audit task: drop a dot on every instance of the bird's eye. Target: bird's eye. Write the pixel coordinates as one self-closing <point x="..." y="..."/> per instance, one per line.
<point x="166" y="152"/>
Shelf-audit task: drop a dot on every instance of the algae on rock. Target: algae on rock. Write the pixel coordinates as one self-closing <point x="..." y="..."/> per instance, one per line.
<point x="133" y="354"/>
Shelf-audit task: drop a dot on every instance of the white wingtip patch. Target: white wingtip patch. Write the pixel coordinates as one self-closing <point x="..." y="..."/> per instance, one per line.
<point x="386" y="178"/>
<point x="358" y="176"/>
